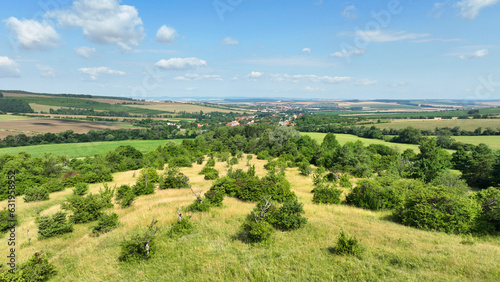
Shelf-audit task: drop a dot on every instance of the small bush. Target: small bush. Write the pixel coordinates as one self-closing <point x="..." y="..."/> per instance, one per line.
<point x="140" y="188"/>
<point x="140" y="246"/>
<point x="50" y="226"/>
<point x="347" y="246"/>
<point x="105" y="223"/>
<point x="344" y="181"/>
<point x="81" y="189"/>
<point x="370" y="194"/>
<point x="180" y="162"/>
<point x="326" y="195"/>
<point x="233" y="161"/>
<point x="215" y="197"/>
<point x="35" y="194"/>
<point x="6" y="222"/>
<point x="305" y="168"/>
<point x="227" y="185"/>
<point x="198" y="206"/>
<point x="211" y="175"/>
<point x="255" y="231"/>
<point x="37" y="268"/>
<point x="88" y="208"/>
<point x="173" y="179"/>
<point x="125" y="196"/>
<point x="210" y="162"/>
<point x="289" y="216"/>
<point x="181" y="227"/>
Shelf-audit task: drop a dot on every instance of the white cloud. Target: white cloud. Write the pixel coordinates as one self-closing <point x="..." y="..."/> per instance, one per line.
<point x="46" y="71"/>
<point x="313" y="89"/>
<point x="437" y="40"/>
<point x="103" y="21"/>
<point x="195" y="76"/>
<point x="388" y="36"/>
<point x="470" y="8"/>
<point x="33" y="35"/>
<point x="180" y="63"/>
<point x="94" y="73"/>
<point x="344" y="53"/>
<point x="9" y="68"/>
<point x="365" y="82"/>
<point x="166" y="35"/>
<point x="85" y="52"/>
<point x="255" y="74"/>
<point x="229" y="41"/>
<point x="293" y="61"/>
<point x="307" y="50"/>
<point x="350" y="12"/>
<point x="477" y="54"/>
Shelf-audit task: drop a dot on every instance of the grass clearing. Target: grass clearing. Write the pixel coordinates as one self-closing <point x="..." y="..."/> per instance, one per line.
<point x="492" y="141"/>
<point x="430" y="124"/>
<point x="78" y="150"/>
<point x="344" y="138"/>
<point x="393" y="252"/>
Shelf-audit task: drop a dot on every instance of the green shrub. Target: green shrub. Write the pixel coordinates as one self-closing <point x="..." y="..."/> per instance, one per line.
<point x="255" y="231"/>
<point x="212" y="175"/>
<point x="37" y="268"/>
<point x="173" y="179"/>
<point x="370" y="194"/>
<point x="150" y="174"/>
<point x="207" y="169"/>
<point x="6" y="222"/>
<point x="233" y="161"/>
<point x="227" y="185"/>
<point x="344" y="181"/>
<point x="200" y="160"/>
<point x="35" y="194"/>
<point x="140" y="188"/>
<point x="180" y="162"/>
<point x="326" y="195"/>
<point x="215" y="196"/>
<point x="198" y="206"/>
<point x="125" y="196"/>
<point x="210" y="162"/>
<point x="105" y="223"/>
<point x="305" y="168"/>
<point x="181" y="227"/>
<point x="489" y="220"/>
<point x="54" y="185"/>
<point x="140" y="246"/>
<point x="347" y="246"/>
<point x="438" y="208"/>
<point x="81" y="189"/>
<point x="88" y="208"/>
<point x="289" y="216"/>
<point x="50" y="226"/>
<point x="263" y="155"/>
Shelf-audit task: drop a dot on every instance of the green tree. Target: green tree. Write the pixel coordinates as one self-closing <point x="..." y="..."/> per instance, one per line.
<point x="431" y="161"/>
<point x="478" y="168"/>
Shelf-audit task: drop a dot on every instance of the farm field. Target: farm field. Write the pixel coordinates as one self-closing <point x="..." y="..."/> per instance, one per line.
<point x="13" y="117"/>
<point x="344" y="138"/>
<point x="38" y="108"/>
<point x="429" y="124"/>
<point x="78" y="150"/>
<point x="393" y="252"/>
<point x="179" y="107"/>
<point x="492" y="141"/>
<point x="44" y="125"/>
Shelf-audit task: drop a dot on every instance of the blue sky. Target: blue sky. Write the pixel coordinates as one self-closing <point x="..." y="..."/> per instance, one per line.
<point x="253" y="48"/>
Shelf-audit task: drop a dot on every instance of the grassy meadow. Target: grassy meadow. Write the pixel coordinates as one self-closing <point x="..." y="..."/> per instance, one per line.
<point x="431" y="124"/>
<point x="344" y="138"/>
<point x="492" y="141"/>
<point x="392" y="252"/>
<point x="77" y="150"/>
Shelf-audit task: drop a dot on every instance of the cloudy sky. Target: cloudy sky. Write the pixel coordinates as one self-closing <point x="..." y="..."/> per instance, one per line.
<point x="253" y="48"/>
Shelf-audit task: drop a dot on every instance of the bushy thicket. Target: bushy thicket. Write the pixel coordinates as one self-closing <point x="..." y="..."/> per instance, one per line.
<point x="326" y="194"/>
<point x="438" y="208"/>
<point x="37" y="268"/>
<point x="125" y="196"/>
<point x="105" y="223"/>
<point x="370" y="194"/>
<point x="288" y="216"/>
<point x="81" y="189"/>
<point x="172" y="178"/>
<point x="489" y="220"/>
<point x="35" y="194"/>
<point x="50" y="226"/>
<point x="140" y="246"/>
<point x="88" y="208"/>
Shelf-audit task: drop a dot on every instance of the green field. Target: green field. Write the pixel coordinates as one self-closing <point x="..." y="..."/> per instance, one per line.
<point x="185" y="107"/>
<point x="492" y="141"/>
<point x="77" y="150"/>
<point x="430" y="124"/>
<point x="344" y="138"/>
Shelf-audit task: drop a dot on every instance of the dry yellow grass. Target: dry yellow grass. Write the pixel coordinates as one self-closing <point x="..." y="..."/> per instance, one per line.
<point x="393" y="252"/>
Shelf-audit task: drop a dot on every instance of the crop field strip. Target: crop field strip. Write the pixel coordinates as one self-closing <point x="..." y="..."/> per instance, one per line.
<point x="430" y="124"/>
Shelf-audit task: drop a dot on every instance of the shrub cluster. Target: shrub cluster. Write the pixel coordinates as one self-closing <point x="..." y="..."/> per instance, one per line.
<point x="88" y="208"/>
<point x="105" y="223"/>
<point x="140" y="246"/>
<point x="172" y="178"/>
<point x="50" y="226"/>
<point x="370" y="194"/>
<point x="36" y="193"/>
<point x="125" y="196"/>
<point x="81" y="189"/>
